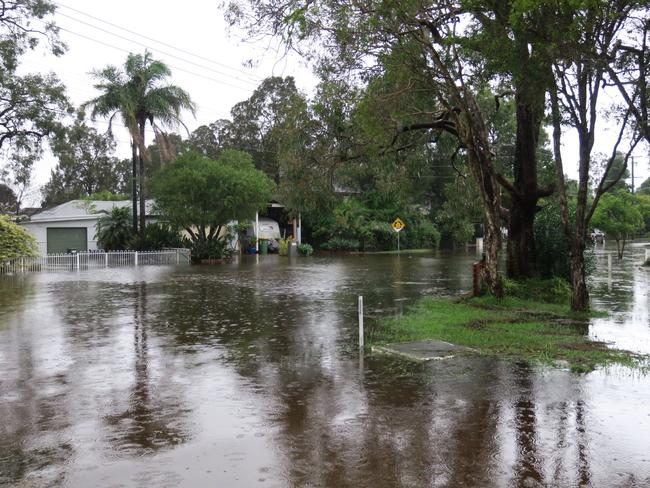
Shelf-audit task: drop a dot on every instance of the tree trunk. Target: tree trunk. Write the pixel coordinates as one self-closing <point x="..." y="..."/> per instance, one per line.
<point x="134" y="185"/>
<point x="522" y="255"/>
<point x="488" y="190"/>
<point x="522" y="252"/>
<point x="580" y="294"/>
<point x="143" y="215"/>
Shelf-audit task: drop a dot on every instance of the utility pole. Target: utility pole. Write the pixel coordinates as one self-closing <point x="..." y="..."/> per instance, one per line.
<point x="632" y="157"/>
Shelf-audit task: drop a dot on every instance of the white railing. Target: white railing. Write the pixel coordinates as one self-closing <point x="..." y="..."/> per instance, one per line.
<point x="96" y="259"/>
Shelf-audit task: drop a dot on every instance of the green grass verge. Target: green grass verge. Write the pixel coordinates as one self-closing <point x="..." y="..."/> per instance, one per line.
<point x="510" y="327"/>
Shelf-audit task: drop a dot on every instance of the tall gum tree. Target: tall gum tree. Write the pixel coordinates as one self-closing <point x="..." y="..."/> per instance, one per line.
<point x="586" y="30"/>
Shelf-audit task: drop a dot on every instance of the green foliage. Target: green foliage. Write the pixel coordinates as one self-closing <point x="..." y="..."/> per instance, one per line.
<point x="341" y="244"/>
<point x="283" y="247"/>
<point x="619" y="217"/>
<point x="157" y="236"/>
<point x="207" y="249"/>
<point x="644" y="207"/>
<point x="305" y="249"/>
<point x="202" y="196"/>
<point x="553" y="258"/>
<point x="30" y="104"/>
<point x="106" y="196"/>
<point x="644" y="188"/>
<point x="114" y="231"/>
<point x="8" y="200"/>
<point x="553" y="290"/>
<point x="15" y="241"/>
<point x="85" y="166"/>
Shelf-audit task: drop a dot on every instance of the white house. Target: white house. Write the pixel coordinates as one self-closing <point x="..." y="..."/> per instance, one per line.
<point x="72" y="225"/>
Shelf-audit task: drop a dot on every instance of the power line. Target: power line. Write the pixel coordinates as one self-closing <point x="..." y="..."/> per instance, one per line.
<point x="220" y="82"/>
<point x="158" y="41"/>
<point x="158" y="50"/>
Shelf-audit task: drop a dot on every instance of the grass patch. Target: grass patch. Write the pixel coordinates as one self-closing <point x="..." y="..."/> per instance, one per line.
<point x="511" y="327"/>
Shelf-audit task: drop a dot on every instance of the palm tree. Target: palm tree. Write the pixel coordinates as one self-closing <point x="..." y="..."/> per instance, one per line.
<point x="113" y="231"/>
<point x="139" y="94"/>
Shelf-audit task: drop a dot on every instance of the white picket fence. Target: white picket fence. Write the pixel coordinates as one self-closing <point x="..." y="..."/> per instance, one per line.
<point x="96" y="259"/>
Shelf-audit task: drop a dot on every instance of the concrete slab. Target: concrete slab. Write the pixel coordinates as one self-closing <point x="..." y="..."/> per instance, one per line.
<point x="423" y="350"/>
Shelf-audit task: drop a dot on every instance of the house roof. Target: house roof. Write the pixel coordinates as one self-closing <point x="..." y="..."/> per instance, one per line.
<point x="83" y="210"/>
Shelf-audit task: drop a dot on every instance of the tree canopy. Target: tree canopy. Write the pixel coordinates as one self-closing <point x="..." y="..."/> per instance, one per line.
<point x="619" y="217"/>
<point x="202" y="195"/>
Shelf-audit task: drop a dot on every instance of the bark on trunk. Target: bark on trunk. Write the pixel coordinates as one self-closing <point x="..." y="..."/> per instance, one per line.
<point x="134" y="185"/>
<point x="521" y="254"/>
<point x="491" y="204"/>
<point x="580" y="294"/>
<point x="143" y="215"/>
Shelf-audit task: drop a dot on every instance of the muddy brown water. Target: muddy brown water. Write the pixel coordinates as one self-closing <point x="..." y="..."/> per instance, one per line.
<point x="248" y="375"/>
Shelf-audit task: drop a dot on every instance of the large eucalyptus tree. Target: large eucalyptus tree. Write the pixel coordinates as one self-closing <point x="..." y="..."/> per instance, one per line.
<point x="139" y="94"/>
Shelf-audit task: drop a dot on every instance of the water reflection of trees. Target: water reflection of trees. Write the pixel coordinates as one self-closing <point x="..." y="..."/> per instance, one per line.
<point x="149" y="416"/>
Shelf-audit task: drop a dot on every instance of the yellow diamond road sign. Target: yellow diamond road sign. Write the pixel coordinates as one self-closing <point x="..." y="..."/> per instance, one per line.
<point x="398" y="225"/>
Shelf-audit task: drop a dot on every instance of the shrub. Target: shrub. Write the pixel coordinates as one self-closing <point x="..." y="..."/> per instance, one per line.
<point x="209" y="249"/>
<point x="305" y="249"/>
<point x="157" y="236"/>
<point x="283" y="247"/>
<point x="15" y="241"/>
<point x="341" y="244"/>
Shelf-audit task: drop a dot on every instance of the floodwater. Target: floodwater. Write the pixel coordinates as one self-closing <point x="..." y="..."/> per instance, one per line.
<point x="248" y="375"/>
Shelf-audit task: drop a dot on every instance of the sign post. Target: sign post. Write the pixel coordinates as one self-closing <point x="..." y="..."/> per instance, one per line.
<point x="397" y="226"/>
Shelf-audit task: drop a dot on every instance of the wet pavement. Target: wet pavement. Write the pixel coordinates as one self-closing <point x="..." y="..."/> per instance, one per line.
<point x="248" y="374"/>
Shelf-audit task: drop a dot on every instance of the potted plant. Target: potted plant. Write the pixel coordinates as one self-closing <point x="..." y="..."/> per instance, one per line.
<point x="252" y="245"/>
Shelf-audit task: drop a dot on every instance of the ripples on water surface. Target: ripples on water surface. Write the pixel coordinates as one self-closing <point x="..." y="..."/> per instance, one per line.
<point x="247" y="375"/>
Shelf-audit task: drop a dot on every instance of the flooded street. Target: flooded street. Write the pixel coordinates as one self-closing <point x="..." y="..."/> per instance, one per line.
<point x="248" y="374"/>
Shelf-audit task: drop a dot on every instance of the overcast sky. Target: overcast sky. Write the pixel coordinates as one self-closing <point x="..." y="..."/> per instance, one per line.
<point x="191" y="38"/>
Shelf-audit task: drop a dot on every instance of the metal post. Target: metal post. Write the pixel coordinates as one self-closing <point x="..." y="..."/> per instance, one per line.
<point x="106" y="259"/>
<point x="609" y="262"/>
<point x="77" y="259"/>
<point x="647" y="255"/>
<point x="360" y="322"/>
<point x="136" y="258"/>
<point x="398" y="243"/>
<point x="257" y="230"/>
<point x="299" y="236"/>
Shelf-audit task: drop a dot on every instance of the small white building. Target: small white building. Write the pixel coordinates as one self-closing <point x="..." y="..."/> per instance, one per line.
<point x="72" y="226"/>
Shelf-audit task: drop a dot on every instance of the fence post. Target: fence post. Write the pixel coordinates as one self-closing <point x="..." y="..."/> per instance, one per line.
<point x="360" y="322"/>
<point x="77" y="259"/>
<point x="136" y="258"/>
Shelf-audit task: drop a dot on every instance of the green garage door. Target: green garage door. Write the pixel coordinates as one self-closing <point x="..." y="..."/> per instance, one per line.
<point x="65" y="239"/>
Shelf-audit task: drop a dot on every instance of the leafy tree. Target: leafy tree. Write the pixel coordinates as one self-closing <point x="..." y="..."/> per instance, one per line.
<point x="644" y="188"/>
<point x="84" y="166"/>
<point x="619" y="217"/>
<point x="138" y="93"/>
<point x="8" y="200"/>
<point x="202" y="196"/>
<point x="15" y="241"/>
<point x="643" y="201"/>
<point x="584" y="33"/>
<point x="30" y="104"/>
<point x="114" y="231"/>
<point x="107" y="196"/>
